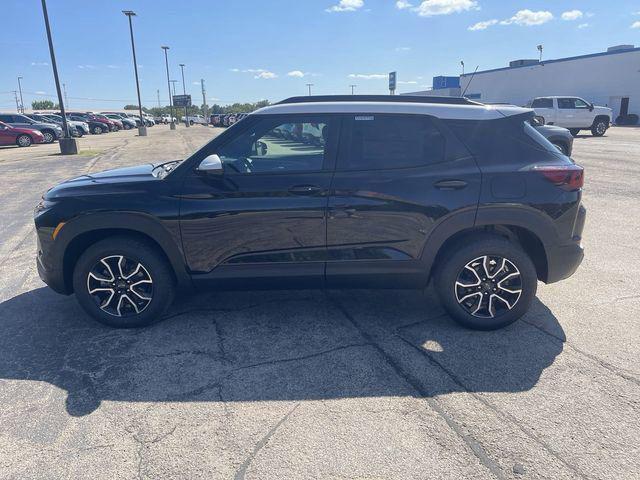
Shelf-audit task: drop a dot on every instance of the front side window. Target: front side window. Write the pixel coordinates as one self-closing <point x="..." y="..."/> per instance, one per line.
<point x="581" y="104"/>
<point x="278" y="145"/>
<point x="380" y="142"/>
<point x="566" y="103"/>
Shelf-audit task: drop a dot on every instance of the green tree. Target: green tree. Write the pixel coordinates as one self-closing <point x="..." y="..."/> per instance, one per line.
<point x="44" y="105"/>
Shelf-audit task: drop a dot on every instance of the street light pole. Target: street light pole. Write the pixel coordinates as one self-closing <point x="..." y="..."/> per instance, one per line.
<point x="68" y="145"/>
<point x="173" y="85"/>
<point x="309" y="85"/>
<point x="21" y="102"/>
<point x="352" y="89"/>
<point x="172" y="125"/>
<point x="184" y="92"/>
<point x="142" y="129"/>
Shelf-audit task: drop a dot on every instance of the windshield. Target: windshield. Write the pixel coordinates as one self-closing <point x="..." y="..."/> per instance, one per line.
<point x="538" y="138"/>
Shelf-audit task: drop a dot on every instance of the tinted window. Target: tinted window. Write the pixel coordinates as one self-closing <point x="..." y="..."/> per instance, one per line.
<point x="379" y="142"/>
<point x="581" y="103"/>
<point x="542" y="103"/>
<point x="566" y="103"/>
<point x="6" y="118"/>
<point x="278" y="146"/>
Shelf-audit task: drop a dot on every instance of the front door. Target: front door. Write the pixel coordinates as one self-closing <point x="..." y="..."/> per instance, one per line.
<point x="264" y="216"/>
<point x="397" y="177"/>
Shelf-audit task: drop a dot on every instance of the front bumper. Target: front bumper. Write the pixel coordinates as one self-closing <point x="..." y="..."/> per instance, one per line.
<point x="48" y="273"/>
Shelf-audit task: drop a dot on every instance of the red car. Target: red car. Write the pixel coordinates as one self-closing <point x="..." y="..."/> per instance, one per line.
<point x="114" y="125"/>
<point x="23" y="137"/>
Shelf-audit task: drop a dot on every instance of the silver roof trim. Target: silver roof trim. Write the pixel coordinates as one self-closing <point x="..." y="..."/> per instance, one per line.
<point x="448" y="112"/>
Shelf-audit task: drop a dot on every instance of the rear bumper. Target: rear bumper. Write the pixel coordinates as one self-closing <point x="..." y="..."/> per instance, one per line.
<point x="563" y="261"/>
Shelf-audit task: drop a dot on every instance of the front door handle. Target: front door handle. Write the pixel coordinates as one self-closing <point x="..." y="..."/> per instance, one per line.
<point x="450" y="184"/>
<point x="305" y="189"/>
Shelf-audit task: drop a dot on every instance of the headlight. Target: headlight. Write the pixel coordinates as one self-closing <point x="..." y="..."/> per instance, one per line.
<point x="43" y="205"/>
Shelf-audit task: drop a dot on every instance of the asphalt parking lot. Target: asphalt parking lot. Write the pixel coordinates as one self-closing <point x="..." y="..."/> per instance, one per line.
<point x="311" y="384"/>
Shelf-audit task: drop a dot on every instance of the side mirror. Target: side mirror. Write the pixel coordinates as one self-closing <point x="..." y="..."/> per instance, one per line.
<point x="211" y="164"/>
<point x="591" y="107"/>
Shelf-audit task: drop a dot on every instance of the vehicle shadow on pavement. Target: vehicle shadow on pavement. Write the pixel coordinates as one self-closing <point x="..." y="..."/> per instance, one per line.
<point x="282" y="345"/>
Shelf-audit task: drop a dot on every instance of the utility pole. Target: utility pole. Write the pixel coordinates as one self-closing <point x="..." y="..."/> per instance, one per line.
<point x="462" y="63"/>
<point x="159" y="104"/>
<point x="15" y="95"/>
<point x="21" y="110"/>
<point x="204" y="101"/>
<point x="309" y="85"/>
<point x="353" y="89"/>
<point x="172" y="125"/>
<point x="66" y="100"/>
<point x="540" y="48"/>
<point x="68" y="145"/>
<point x="142" y="129"/>
<point x="173" y="83"/>
<point x="184" y="92"/>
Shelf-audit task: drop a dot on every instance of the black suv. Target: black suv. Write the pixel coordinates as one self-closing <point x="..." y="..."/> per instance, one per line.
<point x="368" y="191"/>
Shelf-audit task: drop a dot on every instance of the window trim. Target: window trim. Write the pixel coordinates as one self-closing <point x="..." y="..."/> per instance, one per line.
<point x="347" y="130"/>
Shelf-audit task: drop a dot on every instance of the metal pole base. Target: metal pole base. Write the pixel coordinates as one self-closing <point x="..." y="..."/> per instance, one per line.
<point x="172" y="126"/>
<point x="68" y="146"/>
<point x="142" y="131"/>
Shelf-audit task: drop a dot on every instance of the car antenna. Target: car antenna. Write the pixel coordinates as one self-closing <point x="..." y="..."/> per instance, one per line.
<point x="470" y="80"/>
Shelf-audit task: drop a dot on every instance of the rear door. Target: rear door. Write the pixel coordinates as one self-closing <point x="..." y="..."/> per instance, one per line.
<point x="397" y="178"/>
<point x="544" y="108"/>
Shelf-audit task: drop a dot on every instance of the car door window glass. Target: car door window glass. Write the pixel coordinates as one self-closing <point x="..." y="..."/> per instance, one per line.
<point x="579" y="103"/>
<point x="276" y="146"/>
<point x="542" y="103"/>
<point x="380" y="142"/>
<point x="566" y="103"/>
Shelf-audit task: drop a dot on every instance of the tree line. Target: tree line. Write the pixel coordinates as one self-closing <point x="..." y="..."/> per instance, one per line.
<point x="203" y="109"/>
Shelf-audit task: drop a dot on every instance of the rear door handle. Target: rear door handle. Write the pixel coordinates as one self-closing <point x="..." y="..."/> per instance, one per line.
<point x="450" y="184"/>
<point x="305" y="189"/>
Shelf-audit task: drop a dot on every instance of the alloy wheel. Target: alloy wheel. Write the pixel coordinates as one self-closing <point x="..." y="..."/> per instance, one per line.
<point x="48" y="137"/>
<point x="488" y="286"/>
<point x="601" y="128"/>
<point x="120" y="286"/>
<point x="24" y="141"/>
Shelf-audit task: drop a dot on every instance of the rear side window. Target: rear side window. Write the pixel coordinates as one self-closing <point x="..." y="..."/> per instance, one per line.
<point x="380" y="142"/>
<point x="542" y="103"/>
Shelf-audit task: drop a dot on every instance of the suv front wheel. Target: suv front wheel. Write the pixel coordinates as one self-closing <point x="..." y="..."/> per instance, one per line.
<point x="486" y="284"/>
<point x="123" y="282"/>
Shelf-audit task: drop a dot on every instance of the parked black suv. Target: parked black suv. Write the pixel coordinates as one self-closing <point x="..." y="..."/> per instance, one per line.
<point x="389" y="193"/>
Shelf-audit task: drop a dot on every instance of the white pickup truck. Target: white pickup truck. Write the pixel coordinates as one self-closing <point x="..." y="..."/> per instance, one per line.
<point x="573" y="113"/>
<point x="199" y="119"/>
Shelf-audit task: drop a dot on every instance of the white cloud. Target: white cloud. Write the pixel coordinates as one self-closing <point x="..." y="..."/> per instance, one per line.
<point x="482" y="25"/>
<point x="635" y="25"/>
<point x="583" y="25"/>
<point x="236" y="70"/>
<point x="403" y="49"/>
<point x="113" y="66"/>
<point x="296" y="74"/>
<point x="572" y="15"/>
<point x="409" y="82"/>
<point x="266" y="75"/>
<point x="40" y="92"/>
<point x="39" y="64"/>
<point x="372" y="76"/>
<point x="195" y="83"/>
<point x="528" y="18"/>
<point x="89" y="67"/>
<point x="403" y="4"/>
<point x="346" y="6"/>
<point x="429" y="8"/>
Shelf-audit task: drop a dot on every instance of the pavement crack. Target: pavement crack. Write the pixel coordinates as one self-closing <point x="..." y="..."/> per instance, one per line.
<point x="242" y="471"/>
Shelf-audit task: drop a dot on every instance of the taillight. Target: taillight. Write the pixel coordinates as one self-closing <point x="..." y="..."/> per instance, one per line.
<point x="567" y="177"/>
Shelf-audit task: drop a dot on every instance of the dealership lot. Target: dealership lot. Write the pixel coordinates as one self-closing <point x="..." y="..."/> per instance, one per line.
<point x="311" y="384"/>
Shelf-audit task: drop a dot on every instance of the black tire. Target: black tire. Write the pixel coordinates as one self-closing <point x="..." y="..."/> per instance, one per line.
<point x="24" y="140"/>
<point x="97" y="130"/>
<point x="453" y="264"/>
<point x="191" y="122"/>
<point x="127" y="126"/>
<point x="599" y="127"/>
<point x="574" y="131"/>
<point x="158" y="295"/>
<point x="49" y="136"/>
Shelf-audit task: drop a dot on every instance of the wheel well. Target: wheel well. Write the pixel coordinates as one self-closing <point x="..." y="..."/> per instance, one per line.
<point x="601" y="117"/>
<point x="528" y="241"/>
<point x="79" y="245"/>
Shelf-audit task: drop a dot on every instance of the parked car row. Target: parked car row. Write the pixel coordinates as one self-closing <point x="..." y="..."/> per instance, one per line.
<point x="226" y="119"/>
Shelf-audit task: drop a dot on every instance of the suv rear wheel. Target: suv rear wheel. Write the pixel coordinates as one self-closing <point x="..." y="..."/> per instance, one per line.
<point x="486" y="284"/>
<point x="123" y="282"/>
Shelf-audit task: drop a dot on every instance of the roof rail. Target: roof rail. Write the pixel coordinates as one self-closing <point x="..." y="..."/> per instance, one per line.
<point x="380" y="98"/>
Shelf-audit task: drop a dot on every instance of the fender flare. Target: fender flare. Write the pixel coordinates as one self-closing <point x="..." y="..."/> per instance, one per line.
<point x="136" y="222"/>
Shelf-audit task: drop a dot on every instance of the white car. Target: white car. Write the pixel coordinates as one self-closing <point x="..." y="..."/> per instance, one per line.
<point x="193" y="119"/>
<point x="573" y="113"/>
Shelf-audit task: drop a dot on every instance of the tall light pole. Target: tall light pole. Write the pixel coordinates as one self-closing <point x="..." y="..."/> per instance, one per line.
<point x="15" y="95"/>
<point x="309" y="85"/>
<point x="353" y="87"/>
<point x="540" y="47"/>
<point x="462" y="63"/>
<point x="21" y="102"/>
<point x="172" y="125"/>
<point x="173" y="85"/>
<point x="142" y="129"/>
<point x="68" y="145"/>
<point x="66" y="99"/>
<point x="184" y="92"/>
<point x="204" y="101"/>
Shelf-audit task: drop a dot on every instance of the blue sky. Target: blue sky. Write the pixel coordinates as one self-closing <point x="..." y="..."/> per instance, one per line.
<point x="247" y="50"/>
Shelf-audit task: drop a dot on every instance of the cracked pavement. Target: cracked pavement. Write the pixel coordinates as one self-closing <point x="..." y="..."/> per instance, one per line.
<point x="312" y="384"/>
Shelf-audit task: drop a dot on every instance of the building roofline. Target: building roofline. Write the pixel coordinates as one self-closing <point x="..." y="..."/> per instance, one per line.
<point x="557" y="60"/>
